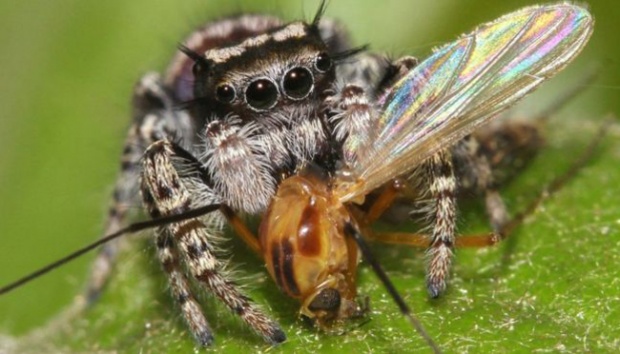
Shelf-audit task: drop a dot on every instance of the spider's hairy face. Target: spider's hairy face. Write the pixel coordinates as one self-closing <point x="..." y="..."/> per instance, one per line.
<point x="281" y="75"/>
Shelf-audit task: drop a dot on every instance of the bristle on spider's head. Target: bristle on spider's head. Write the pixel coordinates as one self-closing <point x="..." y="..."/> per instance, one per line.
<point x="319" y="13"/>
<point x="199" y="60"/>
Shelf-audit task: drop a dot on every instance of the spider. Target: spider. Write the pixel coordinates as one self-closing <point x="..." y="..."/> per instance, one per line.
<point x="266" y="106"/>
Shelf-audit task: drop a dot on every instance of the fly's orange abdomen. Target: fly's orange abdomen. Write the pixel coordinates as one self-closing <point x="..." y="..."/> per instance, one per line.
<point x="302" y="239"/>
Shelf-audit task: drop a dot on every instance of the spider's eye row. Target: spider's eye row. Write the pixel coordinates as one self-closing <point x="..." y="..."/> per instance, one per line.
<point x="298" y="83"/>
<point x="323" y="62"/>
<point x="261" y="94"/>
<point x="225" y="93"/>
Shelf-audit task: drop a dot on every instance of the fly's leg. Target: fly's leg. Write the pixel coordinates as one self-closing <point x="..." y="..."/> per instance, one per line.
<point x="241" y="230"/>
<point x="155" y="118"/>
<point x="164" y="194"/>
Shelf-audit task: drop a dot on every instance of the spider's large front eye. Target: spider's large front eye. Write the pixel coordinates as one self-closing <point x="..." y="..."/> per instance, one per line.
<point x="225" y="93"/>
<point x="297" y="83"/>
<point x="261" y="94"/>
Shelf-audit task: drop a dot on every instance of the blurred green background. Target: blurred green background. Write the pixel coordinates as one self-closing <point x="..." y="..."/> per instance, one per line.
<point x="67" y="68"/>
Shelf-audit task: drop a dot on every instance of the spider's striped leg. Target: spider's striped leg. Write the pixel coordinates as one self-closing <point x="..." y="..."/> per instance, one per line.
<point x="475" y="174"/>
<point x="123" y="196"/>
<point x="438" y="172"/>
<point x="193" y="240"/>
<point x="180" y="288"/>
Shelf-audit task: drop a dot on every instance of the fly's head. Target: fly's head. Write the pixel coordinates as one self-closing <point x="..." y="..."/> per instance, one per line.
<point x="274" y="79"/>
<point x="306" y="252"/>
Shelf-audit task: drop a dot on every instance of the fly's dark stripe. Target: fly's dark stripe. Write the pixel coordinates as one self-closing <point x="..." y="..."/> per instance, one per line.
<point x="287" y="267"/>
<point x="275" y="260"/>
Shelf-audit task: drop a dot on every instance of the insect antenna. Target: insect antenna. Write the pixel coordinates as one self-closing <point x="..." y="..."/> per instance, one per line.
<point x="133" y="228"/>
<point x="400" y="302"/>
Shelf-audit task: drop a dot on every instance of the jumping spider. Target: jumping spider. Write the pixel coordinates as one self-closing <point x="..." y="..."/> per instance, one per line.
<point x="251" y="102"/>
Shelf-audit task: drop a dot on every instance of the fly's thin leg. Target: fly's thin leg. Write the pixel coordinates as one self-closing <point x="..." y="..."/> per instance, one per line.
<point x="241" y="229"/>
<point x="384" y="200"/>
<point x="161" y="182"/>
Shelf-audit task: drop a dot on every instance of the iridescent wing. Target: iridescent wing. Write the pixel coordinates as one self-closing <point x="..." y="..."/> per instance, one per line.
<point x="464" y="84"/>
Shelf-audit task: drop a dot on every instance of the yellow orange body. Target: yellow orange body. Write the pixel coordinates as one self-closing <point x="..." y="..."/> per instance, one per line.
<point x="306" y="252"/>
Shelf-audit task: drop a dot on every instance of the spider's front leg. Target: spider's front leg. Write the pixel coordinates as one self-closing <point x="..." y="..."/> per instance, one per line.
<point x="165" y="193"/>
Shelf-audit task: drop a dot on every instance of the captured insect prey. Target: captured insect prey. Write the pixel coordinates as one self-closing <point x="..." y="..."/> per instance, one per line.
<point x="297" y="142"/>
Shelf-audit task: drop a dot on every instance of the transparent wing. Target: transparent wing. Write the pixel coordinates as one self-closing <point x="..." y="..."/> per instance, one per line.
<point x="464" y="84"/>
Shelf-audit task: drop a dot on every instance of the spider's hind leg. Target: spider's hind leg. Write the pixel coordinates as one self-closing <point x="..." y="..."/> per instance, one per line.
<point x="491" y="158"/>
<point x="155" y="118"/>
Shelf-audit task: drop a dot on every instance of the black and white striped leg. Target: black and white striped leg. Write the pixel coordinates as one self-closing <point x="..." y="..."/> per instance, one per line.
<point x="353" y="120"/>
<point x="442" y="185"/>
<point x="180" y="288"/>
<point x="155" y="118"/>
<point x="123" y="196"/>
<point x="476" y="176"/>
<point x="165" y="194"/>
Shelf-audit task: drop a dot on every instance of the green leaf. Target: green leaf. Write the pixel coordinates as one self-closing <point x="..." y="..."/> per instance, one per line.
<point x="68" y="70"/>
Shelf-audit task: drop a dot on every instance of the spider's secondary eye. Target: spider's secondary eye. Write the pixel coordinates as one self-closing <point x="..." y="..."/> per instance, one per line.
<point x="198" y="69"/>
<point x="261" y="94"/>
<point x="225" y="93"/>
<point x="297" y="83"/>
<point x="323" y="62"/>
